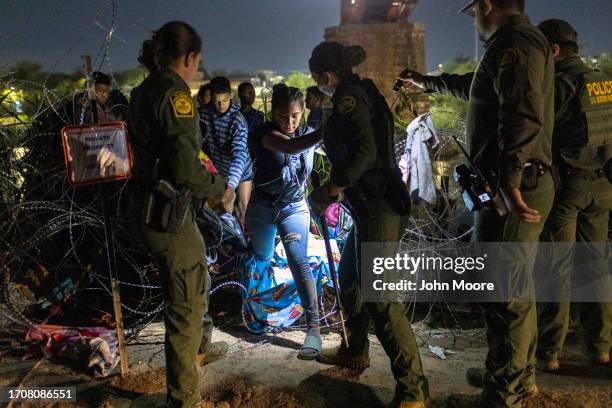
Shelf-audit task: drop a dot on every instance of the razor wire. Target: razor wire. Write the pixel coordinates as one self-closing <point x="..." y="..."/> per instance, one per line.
<point x="65" y="213"/>
<point x="444" y="226"/>
<point x="53" y="232"/>
<point x="50" y="227"/>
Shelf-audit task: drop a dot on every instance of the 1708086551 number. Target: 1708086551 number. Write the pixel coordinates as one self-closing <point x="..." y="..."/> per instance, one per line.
<point x="37" y="394"/>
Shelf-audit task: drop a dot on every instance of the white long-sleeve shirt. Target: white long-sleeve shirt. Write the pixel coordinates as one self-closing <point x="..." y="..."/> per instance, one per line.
<point x="415" y="163"/>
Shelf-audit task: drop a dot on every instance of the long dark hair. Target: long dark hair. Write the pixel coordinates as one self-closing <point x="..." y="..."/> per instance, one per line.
<point x="337" y="58"/>
<point x="283" y="95"/>
<point x="172" y="41"/>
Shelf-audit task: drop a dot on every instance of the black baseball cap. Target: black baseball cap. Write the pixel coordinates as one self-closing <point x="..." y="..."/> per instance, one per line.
<point x="470" y="12"/>
<point x="468" y="8"/>
<point x="558" y="31"/>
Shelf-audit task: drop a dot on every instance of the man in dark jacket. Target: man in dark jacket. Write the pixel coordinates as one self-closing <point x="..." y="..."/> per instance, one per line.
<point x="581" y="211"/>
<point x="509" y="131"/>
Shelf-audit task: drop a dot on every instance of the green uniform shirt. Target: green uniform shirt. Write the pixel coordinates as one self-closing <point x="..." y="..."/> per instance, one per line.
<point x="511" y="108"/>
<point x="163" y="124"/>
<point x="358" y="135"/>
<point x="570" y="132"/>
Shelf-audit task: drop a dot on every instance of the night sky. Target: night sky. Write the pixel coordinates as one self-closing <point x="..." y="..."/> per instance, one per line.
<point x="246" y="34"/>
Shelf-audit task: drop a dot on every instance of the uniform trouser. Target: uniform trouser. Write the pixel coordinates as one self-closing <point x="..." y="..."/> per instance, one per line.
<point x="185" y="282"/>
<point x="511" y="326"/>
<point x="391" y="325"/>
<point x="207" y="328"/>
<point x="580" y="214"/>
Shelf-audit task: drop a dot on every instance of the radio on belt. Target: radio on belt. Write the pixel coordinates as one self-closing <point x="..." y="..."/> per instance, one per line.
<point x="475" y="191"/>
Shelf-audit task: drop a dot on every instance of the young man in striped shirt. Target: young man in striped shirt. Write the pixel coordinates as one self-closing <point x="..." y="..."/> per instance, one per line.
<point x="225" y="141"/>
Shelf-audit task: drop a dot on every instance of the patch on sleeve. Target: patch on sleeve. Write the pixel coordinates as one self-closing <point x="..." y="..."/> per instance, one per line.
<point x="347" y="104"/>
<point x="509" y="58"/>
<point x="182" y="104"/>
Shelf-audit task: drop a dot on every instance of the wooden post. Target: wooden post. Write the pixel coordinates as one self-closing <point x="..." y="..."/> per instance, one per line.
<point x="108" y="236"/>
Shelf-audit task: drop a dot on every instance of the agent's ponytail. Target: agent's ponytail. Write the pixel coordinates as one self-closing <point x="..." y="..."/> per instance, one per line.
<point x="353" y="56"/>
<point x="149" y="55"/>
<point x="171" y="42"/>
<point x="337" y="58"/>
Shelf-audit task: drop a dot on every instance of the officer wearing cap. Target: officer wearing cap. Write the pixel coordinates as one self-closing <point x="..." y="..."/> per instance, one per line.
<point x="509" y="130"/>
<point x="582" y="150"/>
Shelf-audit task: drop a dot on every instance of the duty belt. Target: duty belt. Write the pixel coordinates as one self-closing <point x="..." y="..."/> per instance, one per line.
<point x="579" y="173"/>
<point x="534" y="169"/>
<point x="539" y="165"/>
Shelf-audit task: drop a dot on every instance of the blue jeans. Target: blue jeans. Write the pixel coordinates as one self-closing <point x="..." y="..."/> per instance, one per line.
<point x="292" y="221"/>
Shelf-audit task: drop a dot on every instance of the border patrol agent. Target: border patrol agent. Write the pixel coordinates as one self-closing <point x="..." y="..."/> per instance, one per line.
<point x="358" y="139"/>
<point x="582" y="149"/>
<point x="509" y="130"/>
<point x="166" y="140"/>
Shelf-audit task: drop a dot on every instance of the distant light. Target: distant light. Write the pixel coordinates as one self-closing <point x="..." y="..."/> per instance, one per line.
<point x="353" y="1"/>
<point x="440" y="66"/>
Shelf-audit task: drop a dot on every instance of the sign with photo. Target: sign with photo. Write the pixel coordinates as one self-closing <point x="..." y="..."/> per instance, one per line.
<point x="96" y="153"/>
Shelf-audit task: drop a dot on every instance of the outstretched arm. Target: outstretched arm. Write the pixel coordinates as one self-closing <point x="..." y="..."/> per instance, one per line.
<point x="279" y="142"/>
<point x="450" y="84"/>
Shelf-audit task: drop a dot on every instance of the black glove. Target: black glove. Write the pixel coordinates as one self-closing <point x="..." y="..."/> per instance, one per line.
<point x="320" y="199"/>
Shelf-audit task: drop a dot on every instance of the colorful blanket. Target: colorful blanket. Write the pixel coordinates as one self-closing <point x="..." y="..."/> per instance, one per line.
<point x="271" y="300"/>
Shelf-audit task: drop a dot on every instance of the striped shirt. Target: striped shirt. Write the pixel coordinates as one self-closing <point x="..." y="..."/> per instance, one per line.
<point x="224" y="140"/>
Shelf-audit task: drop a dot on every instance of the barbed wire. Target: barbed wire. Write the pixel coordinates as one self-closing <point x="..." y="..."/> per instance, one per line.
<point x="52" y="247"/>
<point x="53" y="232"/>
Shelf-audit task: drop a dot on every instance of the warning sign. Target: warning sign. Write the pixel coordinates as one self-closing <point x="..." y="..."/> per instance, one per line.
<point x="96" y="153"/>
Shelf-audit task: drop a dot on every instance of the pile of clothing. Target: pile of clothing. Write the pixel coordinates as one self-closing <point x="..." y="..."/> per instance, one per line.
<point x="94" y="349"/>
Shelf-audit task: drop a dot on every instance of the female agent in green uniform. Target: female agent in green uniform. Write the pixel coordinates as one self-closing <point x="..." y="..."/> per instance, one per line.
<point x="358" y="140"/>
<point x="165" y="137"/>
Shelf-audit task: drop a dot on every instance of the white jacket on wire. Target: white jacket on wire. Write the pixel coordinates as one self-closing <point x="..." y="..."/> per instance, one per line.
<point x="415" y="163"/>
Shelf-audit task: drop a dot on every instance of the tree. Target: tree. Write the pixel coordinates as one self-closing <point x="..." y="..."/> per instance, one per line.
<point x="28" y="71"/>
<point x="603" y="62"/>
<point x="30" y="82"/>
<point x="204" y="70"/>
<point x="218" y="73"/>
<point x="448" y="111"/>
<point x="129" y="78"/>
<point x="299" y="80"/>
<point x="459" y="65"/>
<point x="238" y="73"/>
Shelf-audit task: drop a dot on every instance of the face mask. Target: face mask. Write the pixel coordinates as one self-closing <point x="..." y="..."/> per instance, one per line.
<point x="327" y="90"/>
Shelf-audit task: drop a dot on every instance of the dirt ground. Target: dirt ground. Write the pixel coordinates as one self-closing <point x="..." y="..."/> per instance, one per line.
<point x="263" y="371"/>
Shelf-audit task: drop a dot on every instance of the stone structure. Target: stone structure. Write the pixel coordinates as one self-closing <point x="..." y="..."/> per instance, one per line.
<point x="391" y="42"/>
